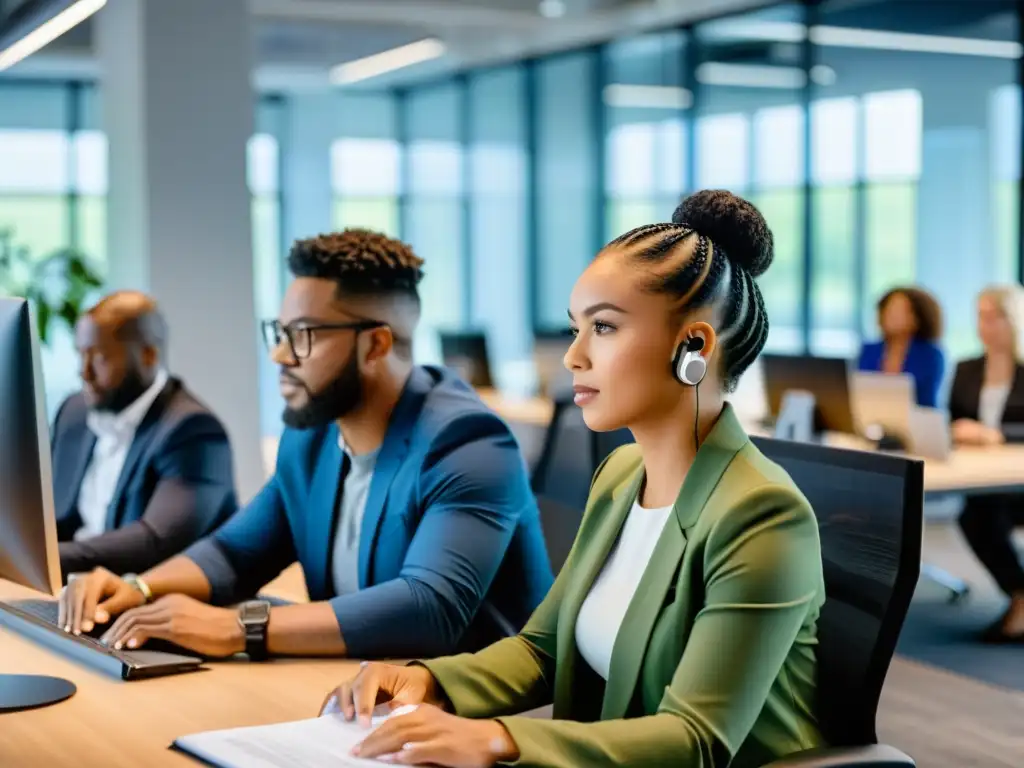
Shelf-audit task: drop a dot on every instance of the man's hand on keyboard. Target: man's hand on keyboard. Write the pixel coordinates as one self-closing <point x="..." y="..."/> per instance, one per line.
<point x="210" y="631"/>
<point x="95" y="598"/>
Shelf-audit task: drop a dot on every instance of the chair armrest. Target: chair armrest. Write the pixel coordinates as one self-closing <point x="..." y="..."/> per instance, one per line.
<point x="870" y="756"/>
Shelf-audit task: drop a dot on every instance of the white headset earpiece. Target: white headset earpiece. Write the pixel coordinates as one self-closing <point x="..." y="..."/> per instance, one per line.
<point x="689" y="364"/>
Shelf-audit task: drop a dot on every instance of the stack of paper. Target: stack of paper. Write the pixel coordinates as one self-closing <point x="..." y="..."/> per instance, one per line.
<point x="323" y="742"/>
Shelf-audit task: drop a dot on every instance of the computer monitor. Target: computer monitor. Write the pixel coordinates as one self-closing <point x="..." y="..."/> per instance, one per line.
<point x="467" y="354"/>
<point x="883" y="404"/>
<point x="826" y="378"/>
<point x="28" y="529"/>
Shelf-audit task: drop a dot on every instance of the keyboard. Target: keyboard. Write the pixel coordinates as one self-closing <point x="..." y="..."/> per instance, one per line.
<point x="37" y="619"/>
<point x="49" y="611"/>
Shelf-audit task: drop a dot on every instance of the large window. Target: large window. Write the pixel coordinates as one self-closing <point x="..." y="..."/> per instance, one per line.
<point x="365" y="161"/>
<point x="263" y="165"/>
<point x="1004" y="165"/>
<point x="750" y="139"/>
<point x="645" y="107"/>
<point x="53" y="195"/>
<point x="53" y="183"/>
<point x="435" y="210"/>
<point x="568" y="180"/>
<point x="499" y="217"/>
<point x="835" y="232"/>
<point x="919" y="180"/>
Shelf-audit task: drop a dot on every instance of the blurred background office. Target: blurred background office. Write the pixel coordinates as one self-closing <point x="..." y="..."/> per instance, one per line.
<point x="179" y="147"/>
<point x="507" y="142"/>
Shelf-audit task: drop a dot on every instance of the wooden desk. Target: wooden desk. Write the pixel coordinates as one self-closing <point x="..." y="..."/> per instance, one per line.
<point x="534" y="411"/>
<point x="115" y="724"/>
<point x="976" y="471"/>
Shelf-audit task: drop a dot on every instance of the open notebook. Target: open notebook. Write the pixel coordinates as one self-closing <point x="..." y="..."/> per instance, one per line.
<point x="323" y="742"/>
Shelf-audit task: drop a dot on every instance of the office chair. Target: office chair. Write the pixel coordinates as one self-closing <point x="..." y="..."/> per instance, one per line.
<point x="560" y="523"/>
<point x="571" y="454"/>
<point x="869" y="510"/>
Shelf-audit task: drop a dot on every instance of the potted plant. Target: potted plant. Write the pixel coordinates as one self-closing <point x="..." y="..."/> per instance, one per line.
<point x="58" y="285"/>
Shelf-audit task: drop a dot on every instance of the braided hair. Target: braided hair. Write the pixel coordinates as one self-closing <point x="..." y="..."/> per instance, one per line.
<point x="710" y="253"/>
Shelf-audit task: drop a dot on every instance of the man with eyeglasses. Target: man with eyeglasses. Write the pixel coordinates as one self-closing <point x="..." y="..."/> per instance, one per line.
<point x="403" y="497"/>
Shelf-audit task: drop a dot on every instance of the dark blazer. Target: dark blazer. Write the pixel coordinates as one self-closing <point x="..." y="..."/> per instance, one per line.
<point x="450" y="527"/>
<point x="924" y="362"/>
<point x="966" y="392"/>
<point x="177" y="484"/>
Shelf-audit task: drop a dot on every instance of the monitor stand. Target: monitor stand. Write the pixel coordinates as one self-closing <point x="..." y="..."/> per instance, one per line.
<point x="21" y="692"/>
<point x="796" y="417"/>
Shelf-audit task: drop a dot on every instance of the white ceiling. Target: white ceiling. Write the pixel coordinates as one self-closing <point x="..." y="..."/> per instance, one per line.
<point x="298" y="41"/>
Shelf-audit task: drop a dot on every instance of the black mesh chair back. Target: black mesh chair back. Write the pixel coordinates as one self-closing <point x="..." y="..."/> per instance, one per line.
<point x="869" y="510"/>
<point x="571" y="454"/>
<point x="560" y="524"/>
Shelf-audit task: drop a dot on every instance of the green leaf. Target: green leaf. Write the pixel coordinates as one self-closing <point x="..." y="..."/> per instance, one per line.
<point x="23" y="275"/>
<point x="43" y="320"/>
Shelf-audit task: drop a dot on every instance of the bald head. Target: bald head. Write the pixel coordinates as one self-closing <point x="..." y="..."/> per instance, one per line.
<point x="133" y="317"/>
<point x="121" y="343"/>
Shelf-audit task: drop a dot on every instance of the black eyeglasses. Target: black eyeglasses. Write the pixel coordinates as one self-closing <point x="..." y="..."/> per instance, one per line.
<point x="300" y="337"/>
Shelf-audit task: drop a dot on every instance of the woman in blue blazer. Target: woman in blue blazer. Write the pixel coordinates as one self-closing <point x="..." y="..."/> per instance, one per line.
<point x="911" y="323"/>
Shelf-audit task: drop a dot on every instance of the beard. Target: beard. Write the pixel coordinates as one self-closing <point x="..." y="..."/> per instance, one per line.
<point x="124" y="394"/>
<point x="337" y="399"/>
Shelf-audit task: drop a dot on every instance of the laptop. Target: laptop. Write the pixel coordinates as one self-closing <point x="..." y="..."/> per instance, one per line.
<point x="885" y="407"/>
<point x="28" y="529"/>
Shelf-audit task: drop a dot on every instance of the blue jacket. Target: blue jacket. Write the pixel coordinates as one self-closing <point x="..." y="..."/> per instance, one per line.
<point x="925" y="362"/>
<point x="450" y="523"/>
<point x="176" y="485"/>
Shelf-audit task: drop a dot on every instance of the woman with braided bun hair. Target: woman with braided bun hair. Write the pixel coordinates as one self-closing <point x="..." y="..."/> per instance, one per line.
<point x="682" y="629"/>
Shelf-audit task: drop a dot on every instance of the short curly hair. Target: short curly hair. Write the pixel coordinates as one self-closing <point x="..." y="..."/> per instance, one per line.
<point x="362" y="262"/>
<point x="927" y="311"/>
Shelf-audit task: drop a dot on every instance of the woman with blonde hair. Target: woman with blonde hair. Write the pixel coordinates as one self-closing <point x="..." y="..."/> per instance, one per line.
<point x="986" y="406"/>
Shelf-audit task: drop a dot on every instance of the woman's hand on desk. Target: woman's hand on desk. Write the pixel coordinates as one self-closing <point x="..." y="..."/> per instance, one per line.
<point x="210" y="631"/>
<point x="379" y="684"/>
<point x="971" y="432"/>
<point x="427" y="735"/>
<point x="431" y="736"/>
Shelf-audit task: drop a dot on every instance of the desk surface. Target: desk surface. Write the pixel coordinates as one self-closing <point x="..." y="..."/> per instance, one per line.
<point x="111" y="723"/>
<point x="980" y="470"/>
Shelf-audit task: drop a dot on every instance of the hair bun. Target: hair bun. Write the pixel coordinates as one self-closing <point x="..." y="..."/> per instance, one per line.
<point x="731" y="223"/>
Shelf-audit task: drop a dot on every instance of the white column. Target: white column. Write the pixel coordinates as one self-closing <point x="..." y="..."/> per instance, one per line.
<point x="178" y="111"/>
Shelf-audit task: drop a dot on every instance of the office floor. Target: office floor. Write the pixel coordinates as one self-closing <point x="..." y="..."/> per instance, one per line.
<point x="945" y="720"/>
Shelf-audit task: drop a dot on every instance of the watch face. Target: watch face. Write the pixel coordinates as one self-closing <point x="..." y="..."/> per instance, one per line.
<point x="254" y="612"/>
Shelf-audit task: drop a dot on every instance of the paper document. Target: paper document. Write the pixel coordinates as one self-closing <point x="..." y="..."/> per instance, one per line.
<point x="323" y="742"/>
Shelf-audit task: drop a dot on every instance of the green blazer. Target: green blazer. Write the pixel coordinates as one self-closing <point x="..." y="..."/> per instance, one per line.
<point x="715" y="662"/>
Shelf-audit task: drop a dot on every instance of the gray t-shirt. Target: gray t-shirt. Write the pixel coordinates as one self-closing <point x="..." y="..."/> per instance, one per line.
<point x="351" y="506"/>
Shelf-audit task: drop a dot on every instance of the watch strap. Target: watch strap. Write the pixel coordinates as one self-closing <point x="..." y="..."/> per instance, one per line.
<point x="255" y="630"/>
<point x="137" y="582"/>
